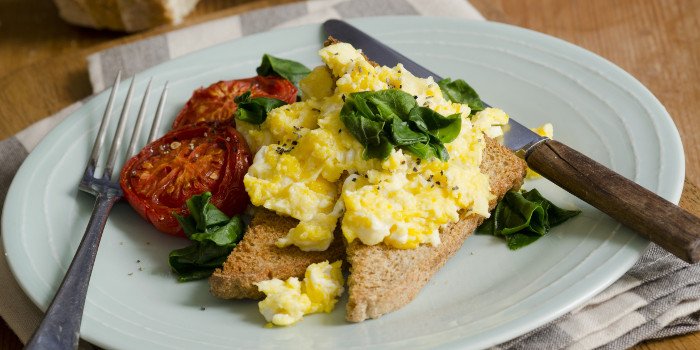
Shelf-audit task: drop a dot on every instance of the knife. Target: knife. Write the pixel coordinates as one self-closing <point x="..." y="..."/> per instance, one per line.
<point x="651" y="216"/>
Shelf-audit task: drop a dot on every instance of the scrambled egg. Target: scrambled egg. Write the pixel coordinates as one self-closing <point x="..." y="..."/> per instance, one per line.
<point x="308" y="166"/>
<point x="543" y="130"/>
<point x="286" y="302"/>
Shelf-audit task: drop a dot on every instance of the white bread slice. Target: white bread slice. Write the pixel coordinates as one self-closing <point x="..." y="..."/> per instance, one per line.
<point x="383" y="279"/>
<point x="124" y="15"/>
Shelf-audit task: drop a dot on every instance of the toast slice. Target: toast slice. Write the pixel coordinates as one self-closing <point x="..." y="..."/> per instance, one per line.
<point x="383" y="279"/>
<point x="256" y="258"/>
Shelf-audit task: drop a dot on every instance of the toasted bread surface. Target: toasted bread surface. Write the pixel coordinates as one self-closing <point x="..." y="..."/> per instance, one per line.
<point x="383" y="279"/>
<point x="256" y="258"/>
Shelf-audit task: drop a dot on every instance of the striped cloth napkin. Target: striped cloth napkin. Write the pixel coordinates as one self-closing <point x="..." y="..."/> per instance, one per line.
<point x="658" y="297"/>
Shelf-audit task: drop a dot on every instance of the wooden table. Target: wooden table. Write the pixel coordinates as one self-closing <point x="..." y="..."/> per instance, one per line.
<point x="42" y="66"/>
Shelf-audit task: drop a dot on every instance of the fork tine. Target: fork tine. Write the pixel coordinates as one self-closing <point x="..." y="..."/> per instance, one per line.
<point x="159" y="114"/>
<point x="60" y="328"/>
<point x="99" y="140"/>
<point x="119" y="133"/>
<point x="139" y="122"/>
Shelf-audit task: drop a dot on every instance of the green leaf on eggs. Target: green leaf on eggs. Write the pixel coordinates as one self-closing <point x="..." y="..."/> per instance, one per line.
<point x="460" y="92"/>
<point x="445" y="129"/>
<point x="380" y="120"/>
<point x="403" y="135"/>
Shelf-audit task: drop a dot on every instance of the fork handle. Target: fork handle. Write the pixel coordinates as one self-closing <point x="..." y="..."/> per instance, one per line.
<point x="60" y="328"/>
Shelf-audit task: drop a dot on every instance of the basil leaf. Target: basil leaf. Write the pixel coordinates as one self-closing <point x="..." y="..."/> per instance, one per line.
<point x="197" y="261"/>
<point x="445" y="129"/>
<point x="448" y="133"/>
<point x="440" y="151"/>
<point x="255" y="110"/>
<point x="379" y="151"/>
<point x="221" y="235"/>
<point x="519" y="240"/>
<point x="288" y="69"/>
<point x="555" y="215"/>
<point x="380" y="120"/>
<point x="460" y="92"/>
<point x="403" y="135"/>
<point x="188" y="226"/>
<point x="431" y="119"/>
<point x="365" y="130"/>
<point x="392" y="102"/>
<point x="420" y="150"/>
<point x="202" y="212"/>
<point x="213" y="234"/>
<point x="523" y="217"/>
<point x="382" y="105"/>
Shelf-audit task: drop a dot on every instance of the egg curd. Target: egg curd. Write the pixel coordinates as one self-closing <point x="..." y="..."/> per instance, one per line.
<point x="287" y="302"/>
<point x="308" y="166"/>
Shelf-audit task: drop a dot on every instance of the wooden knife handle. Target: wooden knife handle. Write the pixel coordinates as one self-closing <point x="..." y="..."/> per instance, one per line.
<point x="651" y="216"/>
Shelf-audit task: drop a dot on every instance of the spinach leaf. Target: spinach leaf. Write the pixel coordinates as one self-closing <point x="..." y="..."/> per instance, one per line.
<point x="421" y="150"/>
<point x="382" y="150"/>
<point x="440" y="151"/>
<point x="382" y="119"/>
<point x="445" y="129"/>
<point x="459" y="91"/>
<point x="403" y="135"/>
<point x="366" y="130"/>
<point x="381" y="105"/>
<point x="202" y="214"/>
<point x="288" y="69"/>
<point x="523" y="217"/>
<point x="389" y="103"/>
<point x="255" y="110"/>
<point x="197" y="261"/>
<point x="214" y="235"/>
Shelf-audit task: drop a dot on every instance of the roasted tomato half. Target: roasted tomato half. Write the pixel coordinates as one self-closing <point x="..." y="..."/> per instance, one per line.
<point x="215" y="103"/>
<point x="186" y="162"/>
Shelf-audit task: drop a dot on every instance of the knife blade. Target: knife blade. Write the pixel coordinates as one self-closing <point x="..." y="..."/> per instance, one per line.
<point x="643" y="211"/>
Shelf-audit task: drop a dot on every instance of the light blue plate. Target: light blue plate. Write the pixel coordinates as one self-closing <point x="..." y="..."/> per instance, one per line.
<point x="483" y="296"/>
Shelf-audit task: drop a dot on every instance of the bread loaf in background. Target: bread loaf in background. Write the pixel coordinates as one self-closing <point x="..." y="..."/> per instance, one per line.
<point x="124" y="15"/>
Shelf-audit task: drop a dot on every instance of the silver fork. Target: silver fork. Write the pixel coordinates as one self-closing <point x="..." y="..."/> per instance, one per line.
<point x="60" y="328"/>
